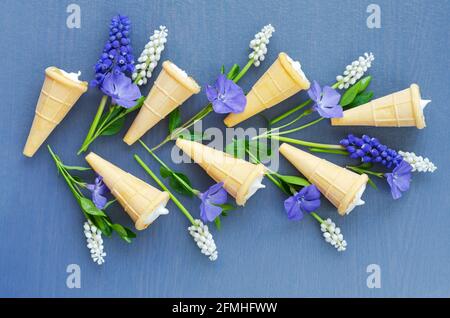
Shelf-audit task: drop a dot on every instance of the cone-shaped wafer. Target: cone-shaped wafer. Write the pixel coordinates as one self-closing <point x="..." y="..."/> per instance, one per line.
<point x="141" y="201"/>
<point x="240" y="178"/>
<point x="58" y="94"/>
<point x="399" y="109"/>
<point x="171" y="89"/>
<point x="341" y="186"/>
<point x="282" y="80"/>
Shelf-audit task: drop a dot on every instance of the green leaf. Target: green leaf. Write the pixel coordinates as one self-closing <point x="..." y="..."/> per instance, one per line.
<point x="361" y="99"/>
<point x="164" y="172"/>
<point x="222" y="69"/>
<point x="226" y="207"/>
<point x="130" y="233"/>
<point x="100" y="223"/>
<point x="363" y="83"/>
<point x="89" y="207"/>
<point x="179" y="186"/>
<point x="174" y="120"/>
<point x="194" y="135"/>
<point x="365" y="165"/>
<point x="119" y="229"/>
<point x="76" y="168"/>
<point x="349" y="95"/>
<point x="285" y="187"/>
<point x="114" y="128"/>
<point x="234" y="71"/>
<point x="372" y="184"/>
<point x="217" y="223"/>
<point x="295" y="180"/>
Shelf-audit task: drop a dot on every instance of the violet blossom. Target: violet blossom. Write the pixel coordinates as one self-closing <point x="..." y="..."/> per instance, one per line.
<point x="226" y="96"/>
<point x="326" y="101"/>
<point x="399" y="179"/>
<point x="211" y="198"/>
<point x="120" y="88"/>
<point x="306" y="200"/>
<point x="99" y="190"/>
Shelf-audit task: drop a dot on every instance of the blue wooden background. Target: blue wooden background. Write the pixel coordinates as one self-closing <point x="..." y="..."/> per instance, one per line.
<point x="261" y="252"/>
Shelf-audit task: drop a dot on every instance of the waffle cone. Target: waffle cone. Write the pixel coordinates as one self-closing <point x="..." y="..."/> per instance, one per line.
<point x="339" y="185"/>
<point x="169" y="91"/>
<point x="399" y="109"/>
<point x="236" y="174"/>
<point x="58" y="95"/>
<point x="138" y="198"/>
<point x="278" y="83"/>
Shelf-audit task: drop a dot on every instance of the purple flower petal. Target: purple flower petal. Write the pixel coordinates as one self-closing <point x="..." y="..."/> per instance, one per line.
<point x="212" y="197"/>
<point x="330" y="96"/>
<point x="121" y="90"/>
<point x="292" y="208"/>
<point x="209" y="212"/>
<point x="400" y="179"/>
<point x="226" y="96"/>
<point x="306" y="200"/>
<point x="315" y="91"/>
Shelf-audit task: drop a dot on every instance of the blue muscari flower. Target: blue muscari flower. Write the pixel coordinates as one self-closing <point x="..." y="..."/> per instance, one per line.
<point x="117" y="56"/>
<point x="370" y="150"/>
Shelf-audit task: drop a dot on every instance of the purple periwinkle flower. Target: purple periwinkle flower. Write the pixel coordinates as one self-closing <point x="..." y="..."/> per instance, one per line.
<point x="226" y="96"/>
<point x="117" y="56"/>
<point x="98" y="190"/>
<point x="306" y="200"/>
<point x="399" y="179"/>
<point x="326" y="101"/>
<point x="122" y="91"/>
<point x="215" y="195"/>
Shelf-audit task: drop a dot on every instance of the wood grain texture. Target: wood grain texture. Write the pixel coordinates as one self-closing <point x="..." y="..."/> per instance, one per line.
<point x="261" y="253"/>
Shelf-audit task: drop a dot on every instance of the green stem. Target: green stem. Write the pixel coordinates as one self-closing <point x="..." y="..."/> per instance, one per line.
<point x="243" y="71"/>
<point x="94" y="124"/>
<point x="76" y="192"/>
<point x="306" y="143"/>
<point x="360" y="170"/>
<point x="317" y="217"/>
<point x="296" y="109"/>
<point x="187" y="186"/>
<point x="333" y="151"/>
<point x="296" y="129"/>
<point x="174" y="199"/>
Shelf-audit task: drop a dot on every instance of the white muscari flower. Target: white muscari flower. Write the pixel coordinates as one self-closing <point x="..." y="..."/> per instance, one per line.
<point x="204" y="239"/>
<point x="150" y="56"/>
<point x="355" y="71"/>
<point x="333" y="235"/>
<point x="418" y="163"/>
<point x="94" y="242"/>
<point x="259" y="44"/>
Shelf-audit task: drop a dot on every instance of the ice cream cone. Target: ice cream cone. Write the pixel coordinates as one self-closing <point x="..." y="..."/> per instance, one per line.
<point x="399" y="109"/>
<point x="171" y="89"/>
<point x="282" y="80"/>
<point x="339" y="185"/>
<point x="238" y="176"/>
<point x="58" y="94"/>
<point x="141" y="201"/>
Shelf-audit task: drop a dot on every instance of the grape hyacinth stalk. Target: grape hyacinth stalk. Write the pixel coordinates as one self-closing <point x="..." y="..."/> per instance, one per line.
<point x="259" y="47"/>
<point x="304" y="201"/>
<point x="94" y="242"/>
<point x="199" y="231"/>
<point x="351" y="75"/>
<point x="112" y="70"/>
<point x="213" y="200"/>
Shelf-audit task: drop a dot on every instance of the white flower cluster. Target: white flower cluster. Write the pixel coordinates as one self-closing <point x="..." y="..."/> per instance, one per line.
<point x="94" y="242"/>
<point x="259" y="44"/>
<point x="333" y="235"/>
<point x="150" y="56"/>
<point x="418" y="163"/>
<point x="355" y="71"/>
<point x="204" y="239"/>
